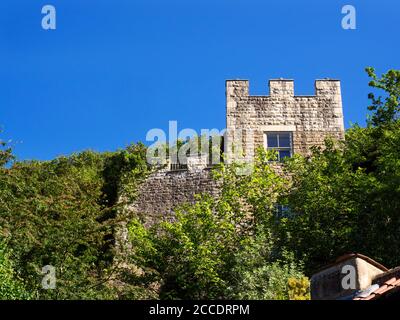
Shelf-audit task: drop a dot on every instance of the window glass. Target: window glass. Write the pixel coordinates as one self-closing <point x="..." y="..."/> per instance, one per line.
<point x="284" y="140"/>
<point x="281" y="142"/>
<point x="272" y="140"/>
<point x="283" y="211"/>
<point x="284" y="153"/>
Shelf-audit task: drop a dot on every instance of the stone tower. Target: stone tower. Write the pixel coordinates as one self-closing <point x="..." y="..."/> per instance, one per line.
<point x="282" y="121"/>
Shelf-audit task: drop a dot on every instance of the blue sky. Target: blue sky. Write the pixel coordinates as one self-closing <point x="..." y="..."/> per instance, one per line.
<point x="114" y="69"/>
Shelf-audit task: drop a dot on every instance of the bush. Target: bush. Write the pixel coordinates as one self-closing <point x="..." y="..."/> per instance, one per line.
<point x="220" y="248"/>
<point x="11" y="285"/>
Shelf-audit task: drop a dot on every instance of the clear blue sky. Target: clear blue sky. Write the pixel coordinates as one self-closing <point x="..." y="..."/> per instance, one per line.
<point x="114" y="69"/>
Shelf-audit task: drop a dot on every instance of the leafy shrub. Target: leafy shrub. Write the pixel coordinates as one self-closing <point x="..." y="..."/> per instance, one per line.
<point x="11" y="285"/>
<point x="219" y="248"/>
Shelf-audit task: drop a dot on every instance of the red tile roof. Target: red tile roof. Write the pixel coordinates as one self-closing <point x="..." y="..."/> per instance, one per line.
<point x="389" y="282"/>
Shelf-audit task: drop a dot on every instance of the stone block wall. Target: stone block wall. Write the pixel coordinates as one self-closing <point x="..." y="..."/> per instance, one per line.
<point x="310" y="118"/>
<point x="162" y="191"/>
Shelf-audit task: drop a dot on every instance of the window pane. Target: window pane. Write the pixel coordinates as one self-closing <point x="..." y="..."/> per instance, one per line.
<point x="272" y="140"/>
<point x="283" y="154"/>
<point x="283" y="211"/>
<point x="284" y="140"/>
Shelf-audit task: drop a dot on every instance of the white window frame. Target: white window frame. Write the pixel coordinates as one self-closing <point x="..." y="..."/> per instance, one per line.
<point x="290" y="149"/>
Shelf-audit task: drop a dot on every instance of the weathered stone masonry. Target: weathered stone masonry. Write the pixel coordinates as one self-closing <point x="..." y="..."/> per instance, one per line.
<point x="309" y="119"/>
<point x="163" y="190"/>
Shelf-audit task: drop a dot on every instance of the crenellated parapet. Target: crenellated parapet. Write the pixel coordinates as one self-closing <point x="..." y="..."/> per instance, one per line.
<point x="308" y="119"/>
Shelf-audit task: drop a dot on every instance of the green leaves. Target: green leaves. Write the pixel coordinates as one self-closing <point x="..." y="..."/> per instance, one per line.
<point x="221" y="247"/>
<point x="63" y="213"/>
<point x="5" y="153"/>
<point x="11" y="285"/>
<point x="346" y="198"/>
<point x="186" y="253"/>
<point x="386" y="108"/>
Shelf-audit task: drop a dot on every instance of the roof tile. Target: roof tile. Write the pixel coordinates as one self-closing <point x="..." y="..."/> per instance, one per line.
<point x="397" y="283"/>
<point x="370" y="297"/>
<point x="381" y="289"/>
<point x="391" y="281"/>
<point x="391" y="284"/>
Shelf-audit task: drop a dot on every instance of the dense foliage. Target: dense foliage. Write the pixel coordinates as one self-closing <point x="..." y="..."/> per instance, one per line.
<point x="62" y="213"/>
<point x="11" y="287"/>
<point x="223" y="247"/>
<point x="344" y="197"/>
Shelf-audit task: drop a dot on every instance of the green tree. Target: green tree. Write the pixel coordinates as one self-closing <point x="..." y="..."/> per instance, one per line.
<point x="385" y="108"/>
<point x="11" y="285"/>
<point x="64" y="213"/>
<point x="345" y="197"/>
<point x="220" y="247"/>
<point x="5" y="153"/>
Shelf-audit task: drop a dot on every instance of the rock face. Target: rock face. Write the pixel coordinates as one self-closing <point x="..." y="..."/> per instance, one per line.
<point x="307" y="119"/>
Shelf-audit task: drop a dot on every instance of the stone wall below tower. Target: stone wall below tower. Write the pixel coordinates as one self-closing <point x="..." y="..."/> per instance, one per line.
<point x="163" y="191"/>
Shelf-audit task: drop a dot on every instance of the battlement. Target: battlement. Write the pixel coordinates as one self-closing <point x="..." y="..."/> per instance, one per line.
<point x="284" y="88"/>
<point x="308" y="120"/>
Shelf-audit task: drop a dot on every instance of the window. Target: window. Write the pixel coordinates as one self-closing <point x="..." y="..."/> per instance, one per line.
<point x="281" y="142"/>
<point x="282" y="211"/>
